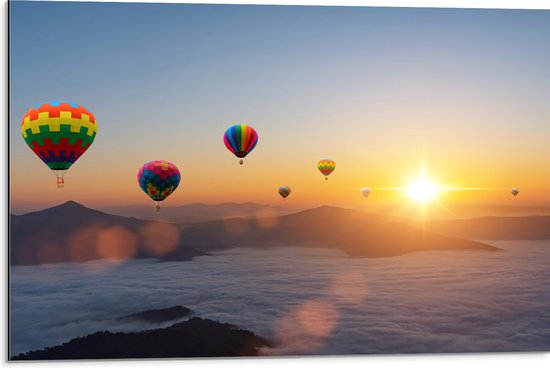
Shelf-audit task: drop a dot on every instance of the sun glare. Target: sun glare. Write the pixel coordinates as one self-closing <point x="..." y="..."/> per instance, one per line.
<point x="422" y="190"/>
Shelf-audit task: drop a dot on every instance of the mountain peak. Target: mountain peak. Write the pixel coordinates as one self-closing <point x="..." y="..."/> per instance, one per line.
<point x="71" y="203"/>
<point x="69" y="207"/>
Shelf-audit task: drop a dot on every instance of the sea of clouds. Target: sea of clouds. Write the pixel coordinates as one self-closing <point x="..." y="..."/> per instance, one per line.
<point x="308" y="301"/>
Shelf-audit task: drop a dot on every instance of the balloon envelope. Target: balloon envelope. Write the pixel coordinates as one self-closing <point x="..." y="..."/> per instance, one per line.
<point x="326" y="166"/>
<point x="284" y="191"/>
<point x="158" y="179"/>
<point x="365" y="192"/>
<point x="59" y="133"/>
<point x="240" y="139"/>
<point x="515" y="191"/>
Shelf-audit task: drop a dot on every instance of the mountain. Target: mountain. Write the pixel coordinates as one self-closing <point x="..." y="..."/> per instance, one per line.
<point x="196" y="337"/>
<point x="496" y="228"/>
<point x="198" y="212"/>
<point x="357" y="233"/>
<point x="72" y="232"/>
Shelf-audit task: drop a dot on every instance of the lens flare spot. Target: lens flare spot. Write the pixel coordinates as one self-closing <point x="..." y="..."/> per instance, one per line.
<point x="318" y="317"/>
<point x="83" y="243"/>
<point x="116" y="244"/>
<point x="304" y="329"/>
<point x="266" y="218"/>
<point x="159" y="238"/>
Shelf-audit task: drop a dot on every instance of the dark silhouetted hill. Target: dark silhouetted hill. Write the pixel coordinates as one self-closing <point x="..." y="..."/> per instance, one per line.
<point x="196" y="337"/>
<point x="71" y="232"/>
<point x="496" y="228"/>
<point x="199" y="212"/>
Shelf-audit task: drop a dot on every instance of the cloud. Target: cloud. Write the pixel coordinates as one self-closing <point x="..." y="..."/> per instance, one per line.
<point x="309" y="301"/>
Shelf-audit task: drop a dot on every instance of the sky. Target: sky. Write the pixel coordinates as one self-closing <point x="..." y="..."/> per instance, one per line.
<point x="381" y="91"/>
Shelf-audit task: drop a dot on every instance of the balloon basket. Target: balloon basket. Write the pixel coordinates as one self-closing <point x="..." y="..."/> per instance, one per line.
<point x="326" y="178"/>
<point x="240" y="162"/>
<point x="157" y="208"/>
<point x="60" y="183"/>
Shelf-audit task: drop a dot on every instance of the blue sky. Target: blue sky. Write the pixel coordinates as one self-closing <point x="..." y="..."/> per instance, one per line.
<point x="366" y="86"/>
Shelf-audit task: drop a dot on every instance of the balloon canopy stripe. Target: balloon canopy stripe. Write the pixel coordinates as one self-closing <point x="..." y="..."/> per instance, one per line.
<point x="56" y="136"/>
<point x="56" y="109"/>
<point x="61" y="155"/>
<point x="230" y="141"/>
<point x="251" y="141"/>
<point x="75" y="125"/>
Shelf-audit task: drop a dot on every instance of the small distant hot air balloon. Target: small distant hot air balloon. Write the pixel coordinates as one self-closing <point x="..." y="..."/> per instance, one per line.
<point x="284" y="191"/>
<point x="158" y="179"/>
<point x="515" y="191"/>
<point x="59" y="133"/>
<point x="326" y="167"/>
<point x="240" y="139"/>
<point x="365" y="192"/>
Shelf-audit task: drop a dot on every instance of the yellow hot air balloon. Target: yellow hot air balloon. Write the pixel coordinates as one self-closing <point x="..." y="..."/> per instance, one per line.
<point x="326" y="167"/>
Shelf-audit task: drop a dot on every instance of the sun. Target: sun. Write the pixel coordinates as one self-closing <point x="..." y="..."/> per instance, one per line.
<point x="422" y="190"/>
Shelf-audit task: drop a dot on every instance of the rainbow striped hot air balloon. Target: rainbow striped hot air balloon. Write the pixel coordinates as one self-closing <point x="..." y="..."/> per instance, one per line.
<point x="326" y="167"/>
<point x="59" y="133"/>
<point x="240" y="139"/>
<point x="158" y="179"/>
<point x="284" y="192"/>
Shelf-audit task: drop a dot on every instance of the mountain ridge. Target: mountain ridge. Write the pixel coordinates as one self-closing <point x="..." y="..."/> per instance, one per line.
<point x="199" y="212"/>
<point x="72" y="232"/>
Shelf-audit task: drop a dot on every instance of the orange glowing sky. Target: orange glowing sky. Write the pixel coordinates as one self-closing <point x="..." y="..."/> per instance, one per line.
<point x="465" y="90"/>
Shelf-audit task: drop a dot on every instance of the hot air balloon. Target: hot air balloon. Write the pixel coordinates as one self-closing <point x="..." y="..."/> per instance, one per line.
<point x="365" y="192"/>
<point x="284" y="191"/>
<point x="240" y="139"/>
<point x="326" y="166"/>
<point x="59" y="133"/>
<point x="158" y="179"/>
<point x="515" y="191"/>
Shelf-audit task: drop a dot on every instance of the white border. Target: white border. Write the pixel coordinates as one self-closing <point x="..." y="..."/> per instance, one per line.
<point x="505" y="360"/>
<point x="482" y="4"/>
